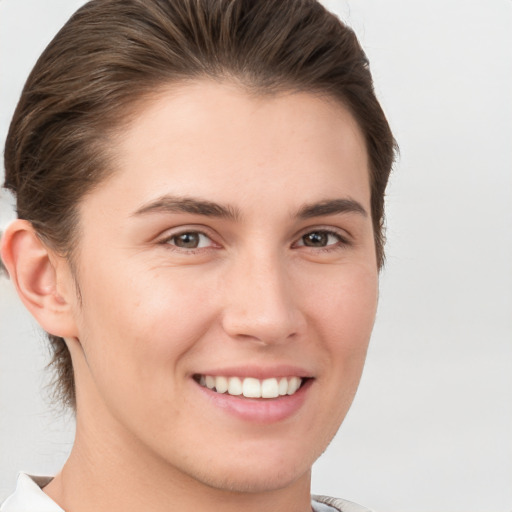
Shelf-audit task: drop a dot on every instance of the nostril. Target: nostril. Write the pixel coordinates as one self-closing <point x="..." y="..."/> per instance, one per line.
<point x="264" y="329"/>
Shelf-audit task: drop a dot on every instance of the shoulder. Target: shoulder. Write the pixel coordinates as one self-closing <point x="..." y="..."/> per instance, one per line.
<point x="29" y="497"/>
<point x="328" y="504"/>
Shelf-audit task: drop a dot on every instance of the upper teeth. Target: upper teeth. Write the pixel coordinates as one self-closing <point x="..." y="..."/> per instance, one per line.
<point x="251" y="387"/>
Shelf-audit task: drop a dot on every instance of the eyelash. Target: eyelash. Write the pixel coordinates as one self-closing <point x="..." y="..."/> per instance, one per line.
<point x="190" y="251"/>
<point x="341" y="243"/>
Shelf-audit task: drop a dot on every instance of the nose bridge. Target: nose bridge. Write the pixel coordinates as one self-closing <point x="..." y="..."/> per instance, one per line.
<point x="260" y="301"/>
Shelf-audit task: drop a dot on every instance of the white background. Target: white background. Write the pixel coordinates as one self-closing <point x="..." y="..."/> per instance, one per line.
<point x="431" y="428"/>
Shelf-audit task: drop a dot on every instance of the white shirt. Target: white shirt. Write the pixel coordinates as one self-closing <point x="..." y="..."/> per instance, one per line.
<point x="29" y="497"/>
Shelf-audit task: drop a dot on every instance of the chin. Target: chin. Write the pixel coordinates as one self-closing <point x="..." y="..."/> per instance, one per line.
<point x="266" y="469"/>
<point x="254" y="481"/>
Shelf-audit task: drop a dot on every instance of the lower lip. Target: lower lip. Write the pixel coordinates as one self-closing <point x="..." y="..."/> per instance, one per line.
<point x="258" y="410"/>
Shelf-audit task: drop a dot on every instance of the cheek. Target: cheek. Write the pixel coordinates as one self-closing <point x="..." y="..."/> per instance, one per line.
<point x="133" y="327"/>
<point x="341" y="310"/>
<point x="344" y="301"/>
<point x="343" y="315"/>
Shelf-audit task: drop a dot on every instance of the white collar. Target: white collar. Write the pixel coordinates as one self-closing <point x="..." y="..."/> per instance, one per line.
<point x="29" y="497"/>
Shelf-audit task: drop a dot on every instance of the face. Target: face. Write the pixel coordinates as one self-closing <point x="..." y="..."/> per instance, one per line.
<point x="228" y="285"/>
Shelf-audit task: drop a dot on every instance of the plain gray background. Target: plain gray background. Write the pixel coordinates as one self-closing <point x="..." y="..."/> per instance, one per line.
<point x="431" y="427"/>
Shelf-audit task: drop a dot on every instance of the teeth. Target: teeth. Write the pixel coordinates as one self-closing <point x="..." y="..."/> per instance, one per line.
<point x="269" y="388"/>
<point x="283" y="386"/>
<point x="234" y="386"/>
<point x="221" y="384"/>
<point x="293" y="385"/>
<point x="251" y="387"/>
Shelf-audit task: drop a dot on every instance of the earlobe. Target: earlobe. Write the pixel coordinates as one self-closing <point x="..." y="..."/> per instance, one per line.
<point x="38" y="279"/>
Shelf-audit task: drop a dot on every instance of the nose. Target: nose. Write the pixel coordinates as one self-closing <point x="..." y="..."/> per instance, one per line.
<point x="260" y="303"/>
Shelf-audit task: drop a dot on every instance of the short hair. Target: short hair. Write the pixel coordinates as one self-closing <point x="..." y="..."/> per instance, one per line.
<point x="112" y="54"/>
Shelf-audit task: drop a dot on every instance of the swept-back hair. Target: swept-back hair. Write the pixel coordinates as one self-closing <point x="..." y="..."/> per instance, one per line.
<point x="113" y="54"/>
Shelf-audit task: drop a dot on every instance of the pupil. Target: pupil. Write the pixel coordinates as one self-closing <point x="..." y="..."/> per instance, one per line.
<point x="187" y="240"/>
<point x="315" y="239"/>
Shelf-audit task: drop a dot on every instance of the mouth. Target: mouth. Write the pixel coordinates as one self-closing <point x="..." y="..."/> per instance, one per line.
<point x="251" y="387"/>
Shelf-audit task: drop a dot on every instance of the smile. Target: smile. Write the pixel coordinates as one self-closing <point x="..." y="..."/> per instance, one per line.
<point x="251" y="387"/>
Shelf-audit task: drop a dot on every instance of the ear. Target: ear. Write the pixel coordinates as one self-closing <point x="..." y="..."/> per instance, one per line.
<point x="42" y="279"/>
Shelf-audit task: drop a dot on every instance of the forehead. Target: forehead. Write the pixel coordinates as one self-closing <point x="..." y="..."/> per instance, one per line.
<point x="222" y="142"/>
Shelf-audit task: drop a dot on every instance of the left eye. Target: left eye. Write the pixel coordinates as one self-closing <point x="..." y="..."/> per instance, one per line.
<point x="190" y="240"/>
<point x="319" y="239"/>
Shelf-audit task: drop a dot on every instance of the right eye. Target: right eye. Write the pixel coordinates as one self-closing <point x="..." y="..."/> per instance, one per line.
<point x="189" y="240"/>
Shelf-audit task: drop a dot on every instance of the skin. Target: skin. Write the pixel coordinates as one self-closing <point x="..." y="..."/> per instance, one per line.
<point x="254" y="296"/>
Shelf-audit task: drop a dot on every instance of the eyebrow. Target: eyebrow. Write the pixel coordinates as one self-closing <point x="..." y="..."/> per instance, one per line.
<point x="175" y="204"/>
<point x="331" y="207"/>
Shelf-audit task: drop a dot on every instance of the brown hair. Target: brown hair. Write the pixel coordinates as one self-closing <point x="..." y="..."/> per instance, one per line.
<point x="114" y="53"/>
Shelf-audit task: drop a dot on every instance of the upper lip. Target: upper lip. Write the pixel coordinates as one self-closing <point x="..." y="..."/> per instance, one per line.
<point x="258" y="372"/>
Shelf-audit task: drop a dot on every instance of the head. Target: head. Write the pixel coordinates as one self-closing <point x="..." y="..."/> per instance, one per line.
<point x="117" y="63"/>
